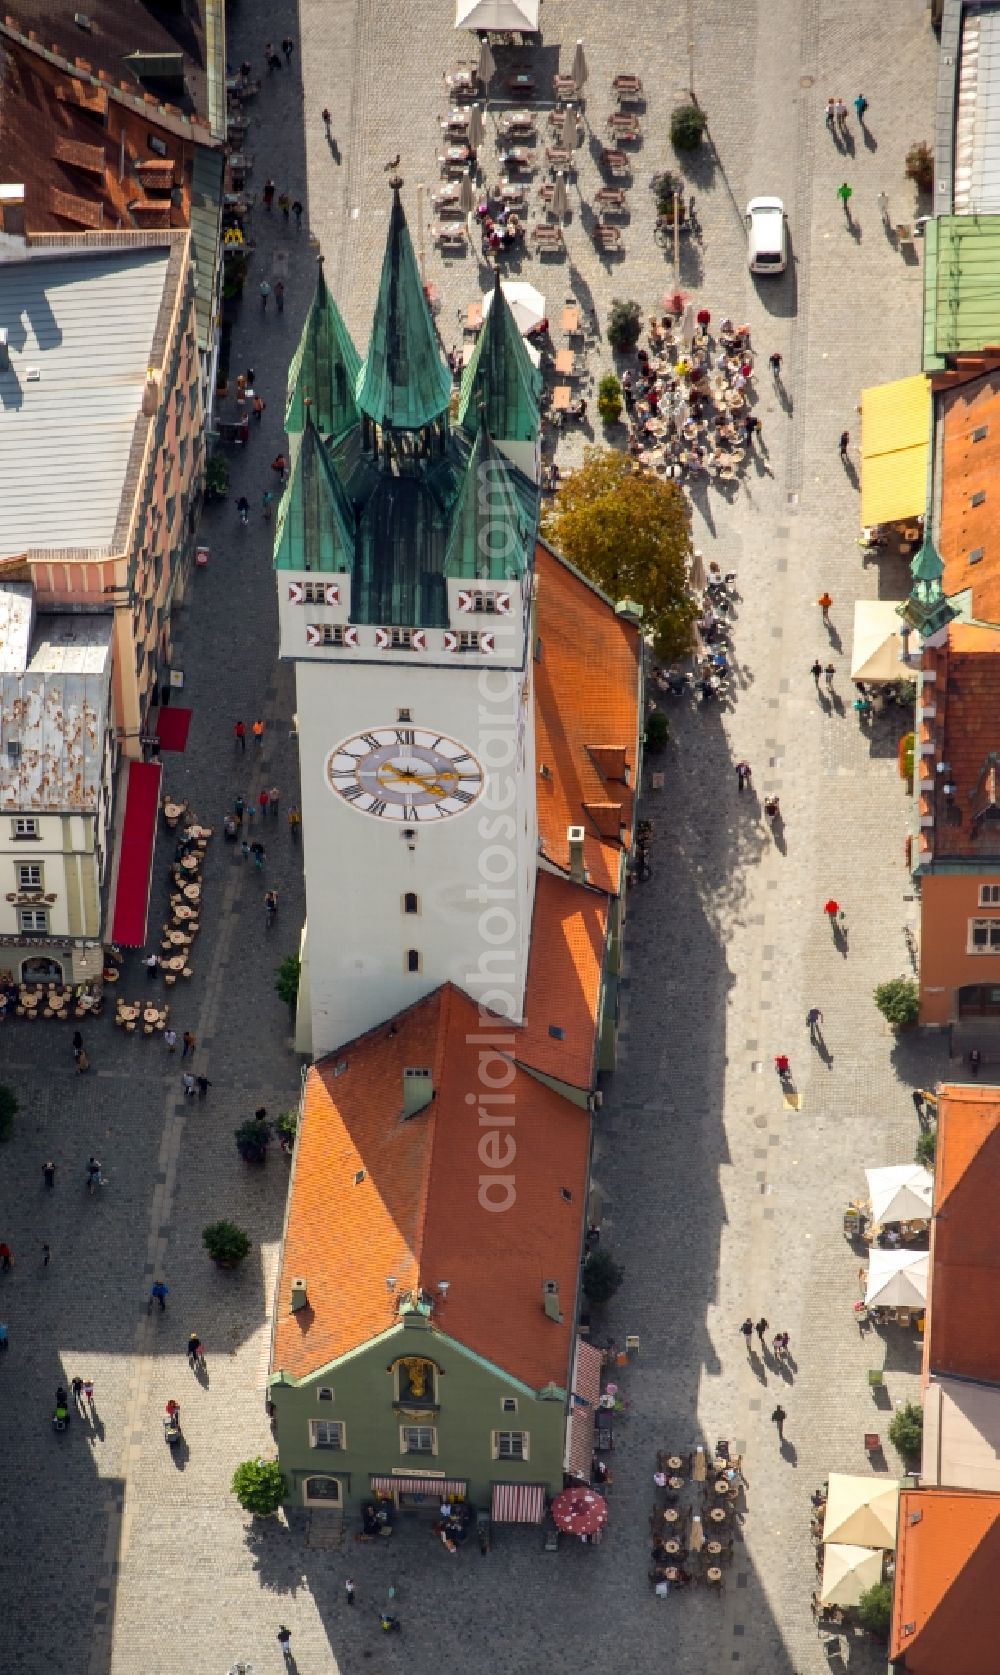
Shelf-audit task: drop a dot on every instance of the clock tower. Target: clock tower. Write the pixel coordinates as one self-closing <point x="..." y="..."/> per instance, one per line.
<point x="404" y="556"/>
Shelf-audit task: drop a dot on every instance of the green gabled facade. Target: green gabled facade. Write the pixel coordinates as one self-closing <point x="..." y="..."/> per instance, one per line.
<point x="315" y="528"/>
<point x="404" y="383"/>
<point x="489" y="502"/>
<point x="501" y="384"/>
<point x="324" y="371"/>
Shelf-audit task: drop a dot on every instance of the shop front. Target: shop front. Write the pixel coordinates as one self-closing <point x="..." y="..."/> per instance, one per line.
<point x="427" y="1492"/>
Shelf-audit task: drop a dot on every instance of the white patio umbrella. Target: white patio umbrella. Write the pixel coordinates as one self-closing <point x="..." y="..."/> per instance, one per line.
<point x="487" y="63"/>
<point x="579" y="71"/>
<point x="900" y="1193"/>
<point x="687" y="326"/>
<point x="897" y="1279"/>
<point x="568" y="133"/>
<point x="526" y="304"/>
<point x="847" y="1573"/>
<point x="477" y="128"/>
<point x="559" y="203"/>
<point x="467" y="193"/>
<point x="861" y="1510"/>
<point x="497" y="15"/>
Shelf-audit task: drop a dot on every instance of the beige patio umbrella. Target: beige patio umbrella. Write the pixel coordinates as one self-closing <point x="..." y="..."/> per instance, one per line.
<point x="487" y="63"/>
<point x="901" y="1192"/>
<point x="848" y="1572"/>
<point x="861" y="1510"/>
<point x="687" y="326"/>
<point x="477" y="128"/>
<point x="467" y="194"/>
<point x="579" y="71"/>
<point x="897" y="1279"/>
<point x="559" y="203"/>
<point x="567" y="137"/>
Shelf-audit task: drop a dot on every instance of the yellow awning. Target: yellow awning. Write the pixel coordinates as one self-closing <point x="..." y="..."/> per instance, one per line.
<point x="895" y="437"/>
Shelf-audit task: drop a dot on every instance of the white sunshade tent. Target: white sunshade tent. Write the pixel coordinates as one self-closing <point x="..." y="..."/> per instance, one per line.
<point x="878" y="641"/>
<point x="861" y="1510"/>
<point x="848" y="1572"/>
<point x="500" y="15"/>
<point x="902" y="1192"/>
<point x="526" y="303"/>
<point x="897" y="1279"/>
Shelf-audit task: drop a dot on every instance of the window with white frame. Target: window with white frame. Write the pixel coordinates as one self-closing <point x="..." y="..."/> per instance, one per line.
<point x="25" y="826"/>
<point x="984" y="936"/>
<point x="327" y="1433"/>
<point x="331" y="635"/>
<point x="418" y="1439"/>
<point x="468" y="640"/>
<point x="484" y="601"/>
<point x="29" y="876"/>
<point x="510" y="1445"/>
<point x="989" y="895"/>
<point x="509" y="1404"/>
<point x="34" y="921"/>
<point x="401" y="639"/>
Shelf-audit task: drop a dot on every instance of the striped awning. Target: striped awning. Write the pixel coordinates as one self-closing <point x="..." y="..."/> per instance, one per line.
<point x="518" y="1503"/>
<point x="446" y="1487"/>
<point x="587" y="1365"/>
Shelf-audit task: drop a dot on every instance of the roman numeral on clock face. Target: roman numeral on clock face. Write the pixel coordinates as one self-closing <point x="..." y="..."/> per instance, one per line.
<point x="461" y="796"/>
<point x="377" y="806"/>
<point x="352" y="792"/>
<point x="404" y="735"/>
<point x="371" y="741"/>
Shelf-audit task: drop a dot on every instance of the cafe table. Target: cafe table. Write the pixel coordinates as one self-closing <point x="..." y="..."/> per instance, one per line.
<point x="675" y="1462"/>
<point x="713" y="1547"/>
<point x="671" y="1546"/>
<point x="718" y="1515"/>
<point x="713" y="1575"/>
<point x="189" y="864"/>
<point x="671" y="1515"/>
<point x="561" y="397"/>
<point x="565" y="361"/>
<point x="570" y="319"/>
<point x="721" y="1486"/>
<point x="191" y="892"/>
<point x="522" y="81"/>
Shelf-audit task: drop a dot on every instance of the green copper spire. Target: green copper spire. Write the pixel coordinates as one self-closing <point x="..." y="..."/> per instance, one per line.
<point x="324" y="370"/>
<point x="404" y="383"/>
<point x="501" y="381"/>
<point x="315" y="524"/>
<point x="489" y="534"/>
<point x="927" y="609"/>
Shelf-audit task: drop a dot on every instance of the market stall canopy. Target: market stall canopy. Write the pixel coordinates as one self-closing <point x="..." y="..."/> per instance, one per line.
<point x="499" y="15"/>
<point x="861" y="1511"/>
<point x="895" y="439"/>
<point x="848" y="1572"/>
<point x="878" y="641"/>
<point x="897" y="1279"/>
<point x="526" y="303"/>
<point x="900" y="1193"/>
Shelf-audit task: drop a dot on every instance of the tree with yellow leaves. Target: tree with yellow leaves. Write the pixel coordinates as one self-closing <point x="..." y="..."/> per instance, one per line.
<point x="630" y="533"/>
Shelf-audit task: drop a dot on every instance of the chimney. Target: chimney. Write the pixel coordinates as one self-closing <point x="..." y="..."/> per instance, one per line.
<point x="300" y="1296"/>
<point x="151" y="393"/>
<point x="574" y="837"/>
<point x="418" y="1091"/>
<point x="550" y="1300"/>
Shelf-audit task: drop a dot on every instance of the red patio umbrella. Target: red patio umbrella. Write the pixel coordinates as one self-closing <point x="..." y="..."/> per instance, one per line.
<point x="579" y="1511"/>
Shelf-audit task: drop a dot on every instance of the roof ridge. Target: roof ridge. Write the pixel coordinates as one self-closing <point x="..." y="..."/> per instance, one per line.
<point x="445" y="995"/>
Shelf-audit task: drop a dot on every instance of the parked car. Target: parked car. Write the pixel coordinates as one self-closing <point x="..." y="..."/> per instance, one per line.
<point x="767" y="242"/>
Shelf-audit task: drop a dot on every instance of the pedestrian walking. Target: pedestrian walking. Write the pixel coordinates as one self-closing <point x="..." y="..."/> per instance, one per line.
<point x="883" y="207"/>
<point x="240" y="735"/>
<point x="743" y="775"/>
<point x="845" y="443"/>
<point x="779" y="1416"/>
<point x="297" y="212"/>
<point x="258" y="408"/>
<point x="49" y="1174"/>
<point x="268" y="196"/>
<point x="258" y="731"/>
<point x="829" y="672"/>
<point x="245" y="847"/>
<point x="832" y="910"/>
<point x="831" y="114"/>
<point x="279" y="465"/>
<point x="816" y="669"/>
<point x="251" y="811"/>
<point x="975" y="1060"/>
<point x="82" y="1063"/>
<point x="750" y="424"/>
<point x="273" y="799"/>
<point x="77" y="1043"/>
<point x="46" y="1255"/>
<point x="761" y="1328"/>
<point x="6" y="1258"/>
<point x="152" y="964"/>
<point x="860" y="106"/>
<point x="774" y="362"/>
<point x="274" y="62"/>
<point x="918" y="1102"/>
<point x="349" y="1591"/>
<point x="203" y="1086"/>
<point x="170" y="1040"/>
<point x="327" y="119"/>
<point x="284" y="1638"/>
<point x="158" y="1292"/>
<point x="259" y="854"/>
<point x="288" y="47"/>
<point x="279" y="295"/>
<point x="747" y="1330"/>
<point x="294" y="823"/>
<point x="814" y="1018"/>
<point x="190" y="1043"/>
<point x="285" y="204"/>
<point x="76" y="1386"/>
<point x="783" y="1066"/>
<point x="781" y="1345"/>
<point x="195" y="1352"/>
<point x="824" y="602"/>
<point x="266" y="502"/>
<point x="190" y="1084"/>
<point x="262" y="801"/>
<point x="264" y="291"/>
<point x="845" y="193"/>
<point x="239" y="806"/>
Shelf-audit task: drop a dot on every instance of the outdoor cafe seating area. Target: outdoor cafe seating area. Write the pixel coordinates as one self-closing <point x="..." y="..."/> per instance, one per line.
<point x="182" y="926"/>
<point x="696" y="1516"/>
<point x="687" y="404"/>
<point x="853" y="1529"/>
<point x="893" y="1226"/>
<point x="48" y="1000"/>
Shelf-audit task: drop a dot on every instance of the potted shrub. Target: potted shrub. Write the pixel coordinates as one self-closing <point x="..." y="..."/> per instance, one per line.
<point x="226" y="1243"/>
<point x="875" y="1609"/>
<point x="260" y="1486"/>
<point x="687" y="126"/>
<point x="286" y="979"/>
<point x="926" y="1148"/>
<point x="8" y="1110"/>
<point x="657" y="732"/>
<point x="609" y="399"/>
<point x="624" y="326"/>
<point x="252" y="1140"/>
<point x="665" y="187"/>
<point x="898" y="1000"/>
<point x="906" y="1428"/>
<point x="601" y="1276"/>
<point x="217" y="478"/>
<point x="920" y="165"/>
<point x="286" y="1127"/>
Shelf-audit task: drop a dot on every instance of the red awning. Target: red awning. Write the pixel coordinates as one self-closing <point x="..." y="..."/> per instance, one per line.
<point x="518" y="1503"/>
<point x="135" y="859"/>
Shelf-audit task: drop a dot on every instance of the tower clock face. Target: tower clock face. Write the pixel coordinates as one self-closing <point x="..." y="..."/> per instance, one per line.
<point x="410" y="774"/>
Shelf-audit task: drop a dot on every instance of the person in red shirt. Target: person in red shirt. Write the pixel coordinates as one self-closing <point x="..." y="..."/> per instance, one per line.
<point x="263" y="800"/>
<point x="240" y="734"/>
<point x="782" y="1065"/>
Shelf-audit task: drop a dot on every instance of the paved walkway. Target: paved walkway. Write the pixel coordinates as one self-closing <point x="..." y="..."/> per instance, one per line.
<point x="113" y="1554"/>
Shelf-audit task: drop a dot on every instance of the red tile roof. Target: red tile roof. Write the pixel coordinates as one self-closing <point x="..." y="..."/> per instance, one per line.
<point x="966" y="730"/>
<point x="968" y="468"/>
<point x="946" y="1617"/>
<point x="418" y="1214"/>
<point x="587" y="719"/>
<point x="962" y="1335"/>
<point x="569" y="934"/>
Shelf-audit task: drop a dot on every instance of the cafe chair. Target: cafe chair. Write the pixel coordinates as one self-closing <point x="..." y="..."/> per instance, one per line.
<point x="873" y="1442"/>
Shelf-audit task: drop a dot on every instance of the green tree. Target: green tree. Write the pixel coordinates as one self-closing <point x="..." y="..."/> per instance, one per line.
<point x="906" y="1428"/>
<point x="260" y="1486"/>
<point x="226" y="1243"/>
<point x="8" y="1110"/>
<point x="252" y="1139"/>
<point x="657" y="732"/>
<point x="286" y="979"/>
<point x="898" y="1000"/>
<point x="624" y="325"/>
<point x="601" y="1275"/>
<point x="609" y="399"/>
<point x="630" y="532"/>
<point x="920" y="165"/>
<point x="927" y="1147"/>
<point x="875" y="1609"/>
<point x="687" y="124"/>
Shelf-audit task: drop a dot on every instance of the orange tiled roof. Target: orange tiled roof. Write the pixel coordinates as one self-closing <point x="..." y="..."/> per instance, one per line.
<point x="945" y="1618"/>
<point x="969" y="468"/>
<point x="416" y="1216"/>
<point x="587" y="720"/>
<point x="569" y="933"/>
<point x="965" y="1255"/>
<point x="966" y="731"/>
